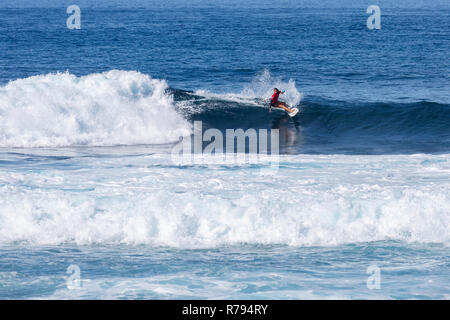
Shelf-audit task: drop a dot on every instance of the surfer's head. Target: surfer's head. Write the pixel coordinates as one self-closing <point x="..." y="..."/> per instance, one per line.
<point x="276" y="90"/>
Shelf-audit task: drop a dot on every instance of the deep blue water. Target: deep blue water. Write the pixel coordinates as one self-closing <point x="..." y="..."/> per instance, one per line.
<point x="88" y="118"/>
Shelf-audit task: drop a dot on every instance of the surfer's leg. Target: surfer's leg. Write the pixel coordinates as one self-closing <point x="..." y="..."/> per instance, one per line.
<point x="282" y="105"/>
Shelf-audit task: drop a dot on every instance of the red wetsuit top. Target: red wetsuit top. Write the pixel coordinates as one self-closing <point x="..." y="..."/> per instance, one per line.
<point x="275" y="97"/>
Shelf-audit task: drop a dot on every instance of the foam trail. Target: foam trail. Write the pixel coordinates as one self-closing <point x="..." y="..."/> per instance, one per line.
<point x="111" y="108"/>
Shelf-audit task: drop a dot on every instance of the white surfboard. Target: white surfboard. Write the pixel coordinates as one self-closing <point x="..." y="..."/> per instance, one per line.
<point x="293" y="113"/>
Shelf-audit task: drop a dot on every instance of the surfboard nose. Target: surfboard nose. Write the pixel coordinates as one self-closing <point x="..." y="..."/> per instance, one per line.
<point x="294" y="112"/>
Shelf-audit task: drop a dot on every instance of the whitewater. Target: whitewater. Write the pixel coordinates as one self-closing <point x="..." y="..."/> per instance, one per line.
<point x="111" y="108"/>
<point x="86" y="170"/>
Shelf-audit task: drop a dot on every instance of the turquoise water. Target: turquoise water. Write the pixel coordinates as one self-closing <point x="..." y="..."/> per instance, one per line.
<point x="235" y="272"/>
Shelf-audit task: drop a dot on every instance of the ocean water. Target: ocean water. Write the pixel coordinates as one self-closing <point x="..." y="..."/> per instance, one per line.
<point x="89" y="118"/>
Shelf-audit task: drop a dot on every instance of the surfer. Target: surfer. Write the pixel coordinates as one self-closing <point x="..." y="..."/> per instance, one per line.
<point x="278" y="104"/>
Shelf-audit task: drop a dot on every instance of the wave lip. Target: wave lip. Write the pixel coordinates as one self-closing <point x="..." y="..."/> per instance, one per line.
<point x="102" y="109"/>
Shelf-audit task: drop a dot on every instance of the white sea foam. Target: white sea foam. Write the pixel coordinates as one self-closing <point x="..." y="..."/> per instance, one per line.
<point x="312" y="200"/>
<point x="259" y="90"/>
<point x="112" y="108"/>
